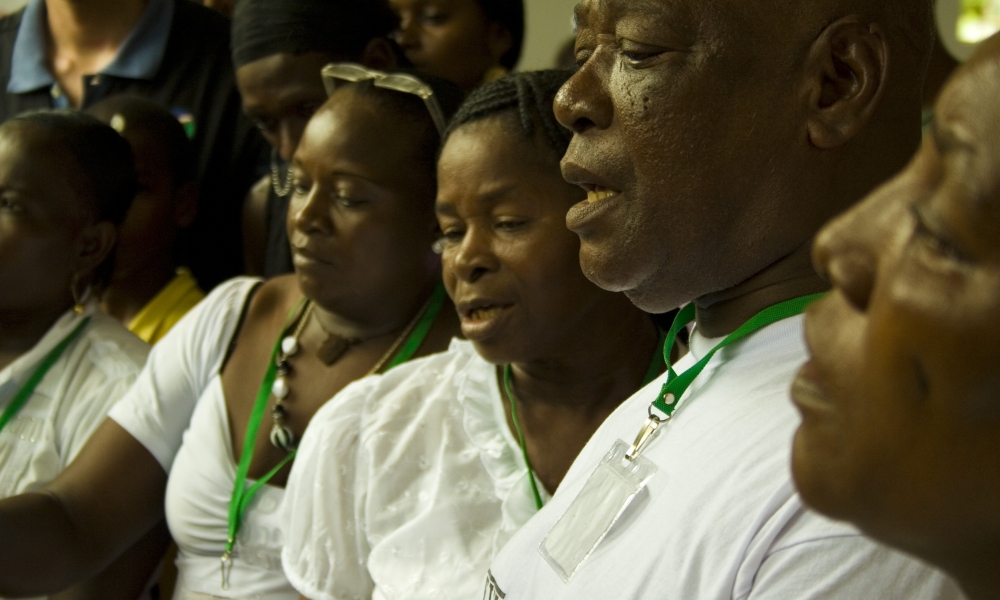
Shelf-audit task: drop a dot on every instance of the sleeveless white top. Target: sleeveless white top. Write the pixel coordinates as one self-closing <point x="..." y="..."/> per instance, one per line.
<point x="178" y="412"/>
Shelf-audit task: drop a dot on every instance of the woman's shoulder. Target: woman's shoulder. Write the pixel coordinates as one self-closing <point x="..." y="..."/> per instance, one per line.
<point x="426" y="379"/>
<point x="273" y="299"/>
<point x="225" y="303"/>
<point x="412" y="384"/>
<point x="111" y="346"/>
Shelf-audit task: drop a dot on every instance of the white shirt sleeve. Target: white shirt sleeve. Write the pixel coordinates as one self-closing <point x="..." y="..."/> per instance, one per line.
<point x="105" y="364"/>
<point x="82" y="417"/>
<point x="325" y="552"/>
<point x="157" y="410"/>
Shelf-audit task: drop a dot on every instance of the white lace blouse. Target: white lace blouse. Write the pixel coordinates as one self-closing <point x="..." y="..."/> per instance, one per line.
<point x="406" y="485"/>
<point x="70" y="402"/>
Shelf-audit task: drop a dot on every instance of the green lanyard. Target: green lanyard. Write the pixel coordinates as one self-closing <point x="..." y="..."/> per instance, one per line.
<point x="50" y="359"/>
<point x="651" y="373"/>
<point x="676" y="384"/>
<point x="416" y="337"/>
<point x="242" y="495"/>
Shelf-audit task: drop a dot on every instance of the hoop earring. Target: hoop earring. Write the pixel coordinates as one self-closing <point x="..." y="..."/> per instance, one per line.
<point x="80" y="299"/>
<point x="281" y="188"/>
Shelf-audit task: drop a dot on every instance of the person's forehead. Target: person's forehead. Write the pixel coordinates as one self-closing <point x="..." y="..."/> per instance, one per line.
<point x="966" y="133"/>
<point x="968" y="107"/>
<point x="36" y="164"/>
<point x="283" y="70"/>
<point x="589" y="11"/>
<point x="350" y="128"/>
<point x="497" y="147"/>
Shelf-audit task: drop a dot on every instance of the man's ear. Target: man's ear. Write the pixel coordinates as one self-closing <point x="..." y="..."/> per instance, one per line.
<point x="95" y="244"/>
<point x="186" y="204"/>
<point x="380" y="53"/>
<point x="846" y="72"/>
<point x="500" y="41"/>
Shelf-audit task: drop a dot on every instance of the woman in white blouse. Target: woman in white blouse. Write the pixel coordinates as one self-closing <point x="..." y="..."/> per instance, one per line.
<point x="228" y="391"/>
<point x="66" y="181"/>
<point x="408" y="483"/>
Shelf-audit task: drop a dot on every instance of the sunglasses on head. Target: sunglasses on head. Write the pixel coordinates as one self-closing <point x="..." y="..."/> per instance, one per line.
<point x="336" y="74"/>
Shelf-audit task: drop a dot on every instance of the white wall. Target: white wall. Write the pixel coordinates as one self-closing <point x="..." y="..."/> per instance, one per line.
<point x="9" y="6"/>
<point x="549" y="25"/>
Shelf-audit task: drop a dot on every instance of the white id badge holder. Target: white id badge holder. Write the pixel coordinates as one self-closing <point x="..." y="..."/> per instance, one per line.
<point x="601" y="502"/>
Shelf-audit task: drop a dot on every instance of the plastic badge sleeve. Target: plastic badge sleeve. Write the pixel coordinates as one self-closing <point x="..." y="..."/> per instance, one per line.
<point x="601" y="502"/>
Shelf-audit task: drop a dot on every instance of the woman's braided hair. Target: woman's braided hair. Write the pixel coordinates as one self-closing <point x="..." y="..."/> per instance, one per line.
<point x="530" y="94"/>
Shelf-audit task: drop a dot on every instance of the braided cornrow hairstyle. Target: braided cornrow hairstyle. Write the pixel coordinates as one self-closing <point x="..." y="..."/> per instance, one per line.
<point x="530" y="94"/>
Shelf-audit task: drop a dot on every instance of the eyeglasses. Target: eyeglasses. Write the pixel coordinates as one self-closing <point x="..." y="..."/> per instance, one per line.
<point x="336" y="73"/>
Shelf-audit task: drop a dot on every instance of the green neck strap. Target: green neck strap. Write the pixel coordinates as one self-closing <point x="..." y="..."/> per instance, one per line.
<point x="423" y="326"/>
<point x="651" y="373"/>
<point x="242" y="495"/>
<point x="675" y="386"/>
<point x="43" y="367"/>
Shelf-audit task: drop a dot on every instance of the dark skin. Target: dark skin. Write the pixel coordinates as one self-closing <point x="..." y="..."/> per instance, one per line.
<point x="900" y="401"/>
<point x="361" y="232"/>
<point x="698" y="136"/>
<point x="512" y="269"/>
<point x="362" y="224"/>
<point x="280" y="94"/>
<point x="49" y="236"/>
<point x="144" y="262"/>
<point x="451" y="39"/>
<point x="84" y="37"/>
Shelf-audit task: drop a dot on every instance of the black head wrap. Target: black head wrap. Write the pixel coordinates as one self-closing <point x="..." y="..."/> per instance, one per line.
<point x="341" y="28"/>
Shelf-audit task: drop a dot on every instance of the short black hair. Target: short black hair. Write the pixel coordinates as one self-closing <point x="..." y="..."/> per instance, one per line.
<point x="105" y="162"/>
<point x="104" y="157"/>
<point x="338" y="28"/>
<point x="530" y="95"/>
<point x="510" y="14"/>
<point x="134" y="115"/>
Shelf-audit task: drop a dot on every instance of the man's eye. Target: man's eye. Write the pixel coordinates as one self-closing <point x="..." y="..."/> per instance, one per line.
<point x="636" y="57"/>
<point x="433" y="17"/>
<point x="936" y="243"/>
<point x="300" y="187"/>
<point x="348" y="201"/>
<point x="10" y="205"/>
<point x="510" y="225"/>
<point x="453" y="235"/>
<point x="449" y="238"/>
<point x="262" y="124"/>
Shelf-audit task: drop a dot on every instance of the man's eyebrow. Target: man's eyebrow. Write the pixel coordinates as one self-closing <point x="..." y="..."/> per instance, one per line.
<point x="444" y="208"/>
<point x="618" y="8"/>
<point x="579" y="18"/>
<point x="946" y="139"/>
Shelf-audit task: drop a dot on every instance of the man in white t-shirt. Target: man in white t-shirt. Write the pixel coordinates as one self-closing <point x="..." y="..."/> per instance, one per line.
<point x="714" y="138"/>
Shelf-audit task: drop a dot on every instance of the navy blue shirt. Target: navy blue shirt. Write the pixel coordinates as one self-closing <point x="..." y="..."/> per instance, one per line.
<point x="178" y="56"/>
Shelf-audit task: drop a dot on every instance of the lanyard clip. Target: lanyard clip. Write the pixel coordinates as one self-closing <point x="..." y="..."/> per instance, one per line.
<point x="227" y="567"/>
<point x="649" y="431"/>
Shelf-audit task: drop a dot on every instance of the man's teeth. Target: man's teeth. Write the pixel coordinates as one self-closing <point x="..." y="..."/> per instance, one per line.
<point x="483" y="314"/>
<point x="598" y="195"/>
